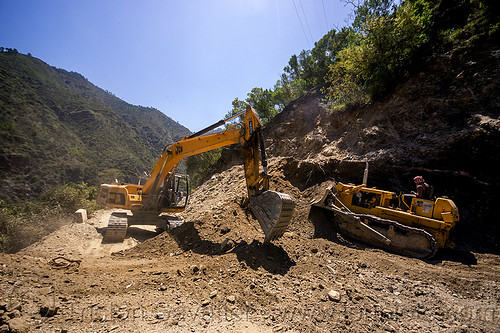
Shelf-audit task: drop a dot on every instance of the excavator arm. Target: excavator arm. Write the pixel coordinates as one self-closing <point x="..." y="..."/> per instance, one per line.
<point x="272" y="209"/>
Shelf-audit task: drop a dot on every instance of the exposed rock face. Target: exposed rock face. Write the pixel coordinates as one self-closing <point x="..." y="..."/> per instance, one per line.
<point x="442" y="124"/>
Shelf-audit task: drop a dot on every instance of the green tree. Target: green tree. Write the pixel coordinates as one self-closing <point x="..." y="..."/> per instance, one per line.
<point x="382" y="53"/>
<point x="262" y="100"/>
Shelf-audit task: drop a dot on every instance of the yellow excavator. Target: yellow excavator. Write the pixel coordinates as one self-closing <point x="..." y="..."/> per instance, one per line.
<point x="166" y="191"/>
<point x="402" y="223"/>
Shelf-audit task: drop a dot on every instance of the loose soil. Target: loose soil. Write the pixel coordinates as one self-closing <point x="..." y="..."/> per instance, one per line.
<point x="185" y="280"/>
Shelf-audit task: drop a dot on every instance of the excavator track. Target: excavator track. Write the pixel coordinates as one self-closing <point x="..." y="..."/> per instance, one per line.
<point x="117" y="228"/>
<point x="274" y="211"/>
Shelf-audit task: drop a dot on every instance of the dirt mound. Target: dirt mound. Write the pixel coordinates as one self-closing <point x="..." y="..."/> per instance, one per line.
<point x="214" y="274"/>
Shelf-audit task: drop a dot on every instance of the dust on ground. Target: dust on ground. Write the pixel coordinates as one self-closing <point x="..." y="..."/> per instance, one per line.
<point x="214" y="274"/>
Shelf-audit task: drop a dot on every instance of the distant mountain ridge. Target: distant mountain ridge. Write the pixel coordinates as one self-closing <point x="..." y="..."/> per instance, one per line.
<point x="57" y="127"/>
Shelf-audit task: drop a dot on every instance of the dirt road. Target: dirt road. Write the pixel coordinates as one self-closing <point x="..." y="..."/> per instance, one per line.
<point x="310" y="280"/>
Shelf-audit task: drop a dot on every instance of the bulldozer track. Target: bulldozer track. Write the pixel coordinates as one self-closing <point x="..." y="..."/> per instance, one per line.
<point x="433" y="246"/>
<point x="396" y="237"/>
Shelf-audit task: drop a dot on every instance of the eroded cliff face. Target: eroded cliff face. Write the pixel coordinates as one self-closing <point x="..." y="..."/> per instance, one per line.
<point x="442" y="124"/>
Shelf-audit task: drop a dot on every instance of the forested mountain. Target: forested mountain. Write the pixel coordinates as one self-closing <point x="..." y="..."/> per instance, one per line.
<point x="57" y="127"/>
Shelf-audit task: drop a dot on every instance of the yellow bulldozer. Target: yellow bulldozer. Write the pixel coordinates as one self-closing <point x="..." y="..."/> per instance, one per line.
<point x="166" y="192"/>
<point x="402" y="223"/>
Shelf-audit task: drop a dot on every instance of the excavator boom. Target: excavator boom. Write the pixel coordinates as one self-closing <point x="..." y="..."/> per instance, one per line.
<point x="163" y="190"/>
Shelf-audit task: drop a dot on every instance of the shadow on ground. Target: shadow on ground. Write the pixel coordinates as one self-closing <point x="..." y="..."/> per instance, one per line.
<point x="256" y="254"/>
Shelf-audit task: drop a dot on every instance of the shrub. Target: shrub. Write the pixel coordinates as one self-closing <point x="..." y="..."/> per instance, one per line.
<point x="383" y="53"/>
<point x="22" y="224"/>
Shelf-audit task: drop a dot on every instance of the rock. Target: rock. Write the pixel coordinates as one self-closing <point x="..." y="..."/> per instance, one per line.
<point x="4" y="328"/>
<point x="13" y="305"/>
<point x="231" y="299"/>
<point x="45" y="290"/>
<point x="80" y="216"/>
<point x="205" y="302"/>
<point x="14" y="314"/>
<point x="419" y="292"/>
<point x="160" y="315"/>
<point x="18" y="325"/>
<point x="389" y="328"/>
<point x="122" y="315"/>
<point x="226" y="245"/>
<point x="48" y="310"/>
<point x="334" y="295"/>
<point x="213" y="294"/>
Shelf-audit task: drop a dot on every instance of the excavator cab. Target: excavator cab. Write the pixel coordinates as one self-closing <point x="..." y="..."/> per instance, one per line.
<point x="175" y="192"/>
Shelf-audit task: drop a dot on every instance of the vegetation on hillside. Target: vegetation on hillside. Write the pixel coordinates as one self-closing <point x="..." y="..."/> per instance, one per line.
<point x="58" y="133"/>
<point x="386" y="42"/>
<point x="56" y="127"/>
<point x="21" y="224"/>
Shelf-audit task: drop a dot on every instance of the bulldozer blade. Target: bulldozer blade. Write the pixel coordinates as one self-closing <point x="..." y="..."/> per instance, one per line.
<point x="117" y="228"/>
<point x="274" y="212"/>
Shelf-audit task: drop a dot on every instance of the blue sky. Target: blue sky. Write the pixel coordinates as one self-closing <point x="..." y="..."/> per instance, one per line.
<point x="187" y="58"/>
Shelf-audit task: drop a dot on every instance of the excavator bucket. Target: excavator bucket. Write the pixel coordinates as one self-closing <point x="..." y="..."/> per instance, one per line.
<point x="274" y="212"/>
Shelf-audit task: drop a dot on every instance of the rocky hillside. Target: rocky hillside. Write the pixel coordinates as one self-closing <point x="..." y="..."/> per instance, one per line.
<point x="443" y="124"/>
<point x="57" y="127"/>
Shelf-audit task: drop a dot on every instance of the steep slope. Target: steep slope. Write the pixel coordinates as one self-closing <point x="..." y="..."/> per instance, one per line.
<point x="442" y="124"/>
<point x="57" y="127"/>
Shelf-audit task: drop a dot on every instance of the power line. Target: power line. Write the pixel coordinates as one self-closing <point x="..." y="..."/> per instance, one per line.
<point x="318" y="16"/>
<point x="307" y="23"/>
<point x="301" y="25"/>
<point x="324" y="12"/>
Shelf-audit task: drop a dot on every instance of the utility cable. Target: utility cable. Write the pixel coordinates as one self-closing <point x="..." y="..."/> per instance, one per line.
<point x="324" y="12"/>
<point x="301" y="25"/>
<point x="307" y="23"/>
<point x="317" y="16"/>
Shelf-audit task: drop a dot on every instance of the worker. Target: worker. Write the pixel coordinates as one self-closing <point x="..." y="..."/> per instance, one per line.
<point x="422" y="187"/>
